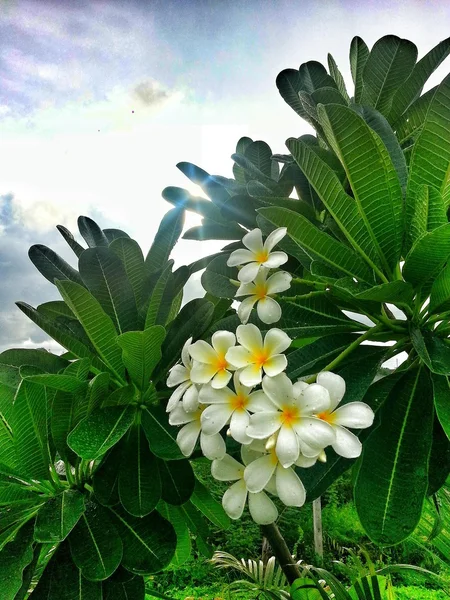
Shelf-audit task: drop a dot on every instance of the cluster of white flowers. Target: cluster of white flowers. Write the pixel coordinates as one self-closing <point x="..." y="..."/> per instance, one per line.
<point x="281" y="425"/>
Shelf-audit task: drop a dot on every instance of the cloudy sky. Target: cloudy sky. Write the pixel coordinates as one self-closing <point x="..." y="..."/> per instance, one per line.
<point x="100" y="100"/>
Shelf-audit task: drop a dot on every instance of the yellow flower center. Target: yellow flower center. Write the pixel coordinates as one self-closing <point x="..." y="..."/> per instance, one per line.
<point x="326" y="416"/>
<point x="261" y="357"/>
<point x="239" y="402"/>
<point x="221" y="363"/>
<point x="261" y="291"/>
<point x="262" y="256"/>
<point x="273" y="456"/>
<point x="290" y="415"/>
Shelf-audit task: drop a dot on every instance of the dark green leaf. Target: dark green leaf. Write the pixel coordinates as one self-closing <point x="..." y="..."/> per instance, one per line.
<point x="123" y="585"/>
<point x="68" y="237"/>
<point x="59" y="515"/>
<point x="98" y="432"/>
<point x="50" y="363"/>
<point x="434" y="351"/>
<point x="160" y="435"/>
<point x="216" y="278"/>
<point x="139" y="479"/>
<point x="104" y="275"/>
<point x="337" y="76"/>
<point x="52" y="266"/>
<point x="115" y="234"/>
<point x="177" y="478"/>
<point x="148" y="543"/>
<point x="130" y="254"/>
<point x="440" y="291"/>
<point x="14" y="558"/>
<point x="212" y="509"/>
<point x="441" y="391"/>
<point x="91" y="232"/>
<point x="395" y="461"/>
<point x="63" y="383"/>
<point x="97" y="393"/>
<point x="213" y="231"/>
<point x="106" y="476"/>
<point x="165" y="239"/>
<point x="175" y="516"/>
<point x="141" y="352"/>
<point x="427" y="257"/>
<point x="439" y="464"/>
<point x="359" y="53"/>
<point x="214" y="190"/>
<point x="95" y="544"/>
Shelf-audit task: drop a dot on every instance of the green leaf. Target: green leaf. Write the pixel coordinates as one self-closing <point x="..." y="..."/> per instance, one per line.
<point x="139" y="479"/>
<point x="14" y="558"/>
<point x="439" y="463"/>
<point x="55" y="309"/>
<point x="43" y="360"/>
<point x="372" y="177"/>
<point x="216" y="278"/>
<point x="165" y="239"/>
<point x="213" y="231"/>
<point x="433" y="351"/>
<point x="425" y="211"/>
<point x="123" y="585"/>
<point x="63" y="420"/>
<point x="51" y="265"/>
<point x="104" y="275"/>
<point x="183" y="549"/>
<point x="411" y="123"/>
<point x="91" y="232"/>
<point x="214" y="190"/>
<point x="160" y="435"/>
<point x="394" y="292"/>
<point x="98" y="432"/>
<point x="97" y="324"/>
<point x="148" y="542"/>
<point x="209" y="507"/>
<point x="63" y="383"/>
<point x="95" y="544"/>
<point x="164" y="295"/>
<point x="359" y="53"/>
<point x="428" y="256"/>
<point x="394" y="462"/>
<point x="59" y="515"/>
<point x="130" y="254"/>
<point x="141" y="352"/>
<point x="183" y="199"/>
<point x="106" y="476"/>
<point x="97" y="393"/>
<point x="388" y="65"/>
<point x="440" y="291"/>
<point x="441" y="393"/>
<point x="430" y="157"/>
<point x="198" y="526"/>
<point x="177" y="478"/>
<point x="412" y="87"/>
<point x="123" y="396"/>
<point x="29" y="423"/>
<point x="68" y="237"/>
<point x="289" y="84"/>
<point x="337" y="76"/>
<point x="317" y="243"/>
<point x="115" y="234"/>
<point x="61" y="579"/>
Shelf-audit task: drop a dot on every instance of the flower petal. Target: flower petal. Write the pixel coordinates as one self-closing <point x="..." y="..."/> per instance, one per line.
<point x="279" y="389"/>
<point x="178" y="416"/>
<point x="251" y="375"/>
<point x="335" y="385"/>
<point x="269" y="311"/>
<point x="202" y="373"/>
<point x="240" y="257"/>
<point x="358" y="415"/>
<point x="249" y="336"/>
<point x="275" y="260"/>
<point x="308" y="452"/>
<point x="210" y="395"/>
<point x="187" y="437"/>
<point x="259" y="402"/>
<point x="274" y="237"/>
<point x="190" y="399"/>
<point x="221" y="379"/>
<point x="239" y="357"/>
<point x="245" y="308"/>
<point x="262" y="509"/>
<point x="275" y="365"/>
<point x="203" y="352"/>
<point x="287" y="448"/>
<point x="314" y="399"/>
<point x="185" y="356"/>
<point x="234" y="499"/>
<point x="215" y="417"/>
<point x="279" y="282"/>
<point x="249" y="453"/>
<point x="238" y="425"/>
<point x="177" y="395"/>
<point x="276" y="341"/>
<point x="245" y="289"/>
<point x="213" y="446"/>
<point x="177" y="375"/>
<point x="227" y="469"/>
<point x="290" y="489"/>
<point x="346" y="443"/>
<point x="262" y="425"/>
<point x="258" y="473"/>
<point x="253" y="240"/>
<point x="305" y="461"/>
<point x="222" y="341"/>
<point x="299" y="388"/>
<point x="248" y="272"/>
<point x="314" y="432"/>
<point x="271" y="486"/>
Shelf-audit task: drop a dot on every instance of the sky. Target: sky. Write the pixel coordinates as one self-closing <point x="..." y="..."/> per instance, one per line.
<point x="100" y="100"/>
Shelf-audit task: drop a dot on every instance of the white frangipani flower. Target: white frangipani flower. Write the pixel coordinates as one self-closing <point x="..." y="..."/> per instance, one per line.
<point x="211" y="364"/>
<point x="292" y="417"/>
<point x="231" y="407"/>
<point x="260" y="291"/>
<point x="258" y="254"/>
<point x="261" y="507"/>
<point x="180" y="375"/>
<point x="264" y="471"/>
<point x="357" y="415"/>
<point x="213" y="446"/>
<point x="254" y="355"/>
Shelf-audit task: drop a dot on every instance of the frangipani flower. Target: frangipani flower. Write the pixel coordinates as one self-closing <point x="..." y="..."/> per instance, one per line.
<point x="180" y="375"/>
<point x="357" y="415"/>
<point x="213" y="446"/>
<point x="260" y="291"/>
<point x="264" y="471"/>
<point x="231" y="407"/>
<point x="292" y="417"/>
<point x="254" y="355"/>
<point x="261" y="507"/>
<point x="258" y="254"/>
<point x="211" y="363"/>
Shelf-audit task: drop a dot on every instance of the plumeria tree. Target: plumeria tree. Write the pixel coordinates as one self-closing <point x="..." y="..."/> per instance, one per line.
<point x="336" y="261"/>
